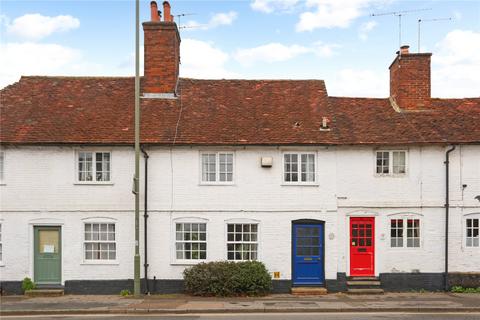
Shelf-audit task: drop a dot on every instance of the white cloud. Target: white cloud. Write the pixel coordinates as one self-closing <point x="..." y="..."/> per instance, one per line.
<point x="223" y="18"/>
<point x="269" y="6"/>
<point x="324" y="50"/>
<point x="331" y="13"/>
<point x="456" y="66"/>
<point x="36" y="26"/>
<point x="218" y="19"/>
<point x="271" y="52"/>
<point x="277" y="52"/>
<point x="29" y="58"/>
<point x="359" y="83"/>
<point x="202" y="60"/>
<point x="365" y="29"/>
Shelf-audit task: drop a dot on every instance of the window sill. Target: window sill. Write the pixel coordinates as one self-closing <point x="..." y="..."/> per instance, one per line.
<point x="2" y="264"/>
<point x="216" y="184"/>
<point x="300" y="184"/>
<point x="101" y="262"/>
<point x="187" y="262"/>
<point x="398" y="175"/>
<point x="94" y="183"/>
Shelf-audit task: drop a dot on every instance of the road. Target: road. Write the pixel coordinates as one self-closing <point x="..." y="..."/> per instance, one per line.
<point x="269" y="316"/>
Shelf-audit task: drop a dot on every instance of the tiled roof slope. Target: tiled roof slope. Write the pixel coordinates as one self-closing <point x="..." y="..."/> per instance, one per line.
<point x="95" y="110"/>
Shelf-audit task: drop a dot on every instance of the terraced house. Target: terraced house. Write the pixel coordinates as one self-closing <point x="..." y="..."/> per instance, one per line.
<point x="319" y="188"/>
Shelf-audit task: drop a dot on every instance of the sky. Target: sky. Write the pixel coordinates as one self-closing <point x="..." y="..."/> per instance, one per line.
<point x="338" y="41"/>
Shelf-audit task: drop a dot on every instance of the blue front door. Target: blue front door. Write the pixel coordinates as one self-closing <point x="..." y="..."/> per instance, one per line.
<point x="308" y="254"/>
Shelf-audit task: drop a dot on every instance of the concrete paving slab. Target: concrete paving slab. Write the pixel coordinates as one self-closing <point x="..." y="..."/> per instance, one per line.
<point x="390" y="302"/>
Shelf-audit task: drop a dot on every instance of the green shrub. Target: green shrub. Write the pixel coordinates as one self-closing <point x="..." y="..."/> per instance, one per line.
<point x="457" y="289"/>
<point x="125" y="293"/>
<point x="28" y="284"/>
<point x="224" y="278"/>
<point x="460" y="289"/>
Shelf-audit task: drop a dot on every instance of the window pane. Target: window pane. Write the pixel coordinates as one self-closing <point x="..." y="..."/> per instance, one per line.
<point x="208" y="167"/>
<point x="383" y="162"/>
<point x="399" y="162"/>
<point x="190" y="241"/>
<point x="100" y="245"/>
<point x="85" y="172"/>
<point x="308" y="168"/>
<point x="241" y="241"/>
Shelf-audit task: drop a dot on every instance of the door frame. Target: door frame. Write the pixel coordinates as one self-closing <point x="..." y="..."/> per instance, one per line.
<point x="42" y="222"/>
<point x="371" y="216"/>
<point x="312" y="222"/>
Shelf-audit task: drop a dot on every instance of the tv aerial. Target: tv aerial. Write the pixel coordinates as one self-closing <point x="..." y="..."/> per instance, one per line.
<point x="179" y="16"/>
<point x="399" y="14"/>
<point x="428" y="20"/>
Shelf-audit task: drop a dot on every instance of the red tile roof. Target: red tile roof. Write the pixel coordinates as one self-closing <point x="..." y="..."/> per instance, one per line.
<point x="96" y="110"/>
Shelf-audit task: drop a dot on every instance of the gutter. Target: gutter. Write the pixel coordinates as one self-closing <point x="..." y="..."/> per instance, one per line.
<point x="145" y="221"/>
<point x="447" y="207"/>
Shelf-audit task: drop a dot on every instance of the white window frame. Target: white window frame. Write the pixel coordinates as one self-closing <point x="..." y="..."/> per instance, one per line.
<point x="2" y="167"/>
<point x="195" y="220"/>
<point x="390" y="163"/>
<point x="115" y="241"/>
<point x="1" y="244"/>
<point x="242" y="222"/>
<point x="465" y="230"/>
<point x="299" y="168"/>
<point x="217" y="168"/>
<point x="405" y="237"/>
<point x="94" y="167"/>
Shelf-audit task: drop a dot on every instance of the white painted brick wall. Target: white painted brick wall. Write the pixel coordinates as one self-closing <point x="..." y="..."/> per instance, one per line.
<point x="40" y="184"/>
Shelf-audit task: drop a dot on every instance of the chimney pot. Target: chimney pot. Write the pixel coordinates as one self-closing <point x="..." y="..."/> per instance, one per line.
<point x="404" y="49"/>
<point x="166" y="11"/>
<point x="154" y="13"/>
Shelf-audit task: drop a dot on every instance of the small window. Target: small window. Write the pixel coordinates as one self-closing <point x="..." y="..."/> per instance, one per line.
<point x="473" y="238"/>
<point x="94" y="166"/>
<point x="399" y="238"/>
<point x="391" y="162"/>
<point x="242" y="241"/>
<point x="217" y="167"/>
<point x="100" y="241"/>
<point x="2" y="166"/>
<point x="191" y="241"/>
<point x="299" y="167"/>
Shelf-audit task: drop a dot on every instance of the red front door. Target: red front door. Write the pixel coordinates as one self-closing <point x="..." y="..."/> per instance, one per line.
<point x="362" y="246"/>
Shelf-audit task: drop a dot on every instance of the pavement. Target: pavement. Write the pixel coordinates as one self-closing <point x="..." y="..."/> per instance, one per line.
<point x="183" y="304"/>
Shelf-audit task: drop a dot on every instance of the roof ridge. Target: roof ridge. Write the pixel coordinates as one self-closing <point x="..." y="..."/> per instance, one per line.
<point x="75" y="77"/>
<point x="256" y="80"/>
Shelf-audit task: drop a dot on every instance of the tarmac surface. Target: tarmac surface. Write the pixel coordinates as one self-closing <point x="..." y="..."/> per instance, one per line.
<point x="183" y="304"/>
<point x="261" y="316"/>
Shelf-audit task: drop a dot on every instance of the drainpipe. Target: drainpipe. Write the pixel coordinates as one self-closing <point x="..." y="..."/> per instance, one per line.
<point x="447" y="207"/>
<point x="145" y="222"/>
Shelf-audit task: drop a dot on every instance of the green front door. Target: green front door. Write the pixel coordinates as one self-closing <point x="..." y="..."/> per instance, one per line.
<point x="47" y="255"/>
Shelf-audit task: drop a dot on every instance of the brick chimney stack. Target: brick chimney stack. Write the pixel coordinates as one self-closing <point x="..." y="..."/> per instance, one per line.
<point x="410" y="84"/>
<point x="161" y="52"/>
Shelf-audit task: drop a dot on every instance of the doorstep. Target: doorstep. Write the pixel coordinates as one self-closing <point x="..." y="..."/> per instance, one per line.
<point x="309" y="291"/>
